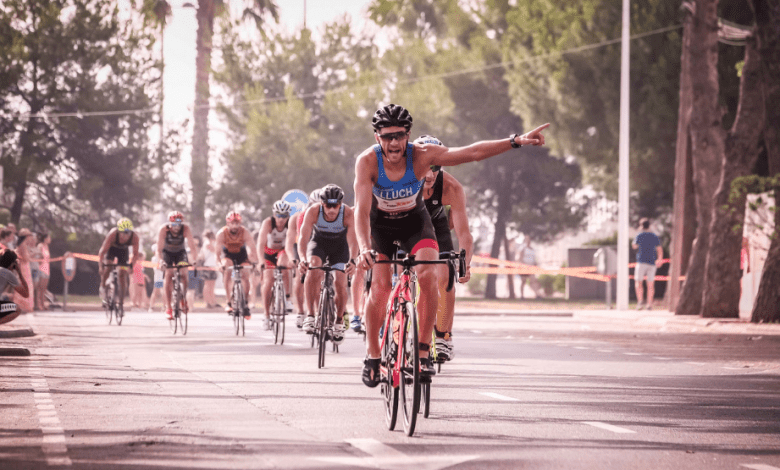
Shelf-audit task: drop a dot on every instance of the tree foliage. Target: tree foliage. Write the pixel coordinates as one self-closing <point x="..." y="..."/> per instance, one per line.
<point x="78" y="172"/>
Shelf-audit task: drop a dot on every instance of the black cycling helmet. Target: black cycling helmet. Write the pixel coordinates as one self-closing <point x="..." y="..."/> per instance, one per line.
<point x="392" y="115"/>
<point x="331" y="194"/>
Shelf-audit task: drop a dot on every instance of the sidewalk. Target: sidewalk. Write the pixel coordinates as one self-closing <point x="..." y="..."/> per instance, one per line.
<point x="656" y="319"/>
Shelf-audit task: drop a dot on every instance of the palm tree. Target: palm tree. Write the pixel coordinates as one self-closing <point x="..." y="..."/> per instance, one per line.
<point x="199" y="174"/>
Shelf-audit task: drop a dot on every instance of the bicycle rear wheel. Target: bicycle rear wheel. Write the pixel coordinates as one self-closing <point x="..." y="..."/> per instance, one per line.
<point x="410" y="369"/>
<point x="425" y="400"/>
<point x="183" y="323"/>
<point x="389" y="392"/>
<point x="119" y="314"/>
<point x="322" y="332"/>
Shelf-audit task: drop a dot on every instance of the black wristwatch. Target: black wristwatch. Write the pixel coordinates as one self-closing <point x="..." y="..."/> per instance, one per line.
<point x="512" y="142"/>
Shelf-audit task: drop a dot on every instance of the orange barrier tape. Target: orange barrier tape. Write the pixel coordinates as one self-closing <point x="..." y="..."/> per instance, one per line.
<point x="514" y="267"/>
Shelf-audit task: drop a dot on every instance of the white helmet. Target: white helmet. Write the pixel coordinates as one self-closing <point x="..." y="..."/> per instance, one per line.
<point x="281" y="207"/>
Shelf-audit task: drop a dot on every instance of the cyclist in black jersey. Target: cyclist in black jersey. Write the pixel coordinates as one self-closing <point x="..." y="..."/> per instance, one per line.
<point x="171" y="251"/>
<point x="116" y="247"/>
<point x="442" y="190"/>
<point x="389" y="207"/>
<point x="291" y="247"/>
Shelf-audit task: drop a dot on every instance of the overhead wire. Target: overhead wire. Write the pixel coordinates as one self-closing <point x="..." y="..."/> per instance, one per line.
<point x="505" y="64"/>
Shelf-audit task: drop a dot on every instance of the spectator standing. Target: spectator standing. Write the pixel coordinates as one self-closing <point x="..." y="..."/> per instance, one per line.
<point x="138" y="282"/>
<point x="209" y="275"/>
<point x="194" y="281"/>
<point x="157" y="289"/>
<point x="15" y="239"/>
<point x="44" y="273"/>
<point x="6" y="239"/>
<point x="10" y="278"/>
<point x="527" y="255"/>
<point x="649" y="257"/>
<point x="25" y="241"/>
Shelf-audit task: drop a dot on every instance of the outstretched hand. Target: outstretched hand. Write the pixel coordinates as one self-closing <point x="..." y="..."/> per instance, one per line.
<point x="535" y="137"/>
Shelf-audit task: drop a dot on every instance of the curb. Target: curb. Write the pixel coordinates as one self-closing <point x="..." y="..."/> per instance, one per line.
<point x="23" y="333"/>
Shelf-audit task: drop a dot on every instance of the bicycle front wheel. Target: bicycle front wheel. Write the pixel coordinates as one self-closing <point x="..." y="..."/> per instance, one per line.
<point x="389" y="392"/>
<point x="410" y="369"/>
<point x="323" y="332"/>
<point x="279" y="316"/>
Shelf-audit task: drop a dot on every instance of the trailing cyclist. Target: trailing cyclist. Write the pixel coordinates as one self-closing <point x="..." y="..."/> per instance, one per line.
<point x="273" y="234"/>
<point x="116" y="246"/>
<point x="440" y="190"/>
<point x="171" y="252"/>
<point x="329" y="228"/>
<point x="291" y="248"/>
<point x="389" y="207"/>
<point x="232" y="242"/>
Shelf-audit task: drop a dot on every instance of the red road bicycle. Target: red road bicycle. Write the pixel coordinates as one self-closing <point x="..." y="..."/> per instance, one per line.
<point x="399" y="367"/>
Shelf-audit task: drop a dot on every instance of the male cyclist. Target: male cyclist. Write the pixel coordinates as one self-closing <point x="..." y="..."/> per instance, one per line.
<point x="441" y="189"/>
<point x="232" y="242"/>
<point x="116" y="246"/>
<point x="328" y="233"/>
<point x="291" y="248"/>
<point x="273" y="234"/>
<point x="389" y="207"/>
<point x="171" y="251"/>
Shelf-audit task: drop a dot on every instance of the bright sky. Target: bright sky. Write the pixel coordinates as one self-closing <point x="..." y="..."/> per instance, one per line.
<point x="179" y="79"/>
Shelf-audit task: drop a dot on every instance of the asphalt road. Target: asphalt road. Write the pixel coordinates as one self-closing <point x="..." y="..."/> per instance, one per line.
<point x="523" y="392"/>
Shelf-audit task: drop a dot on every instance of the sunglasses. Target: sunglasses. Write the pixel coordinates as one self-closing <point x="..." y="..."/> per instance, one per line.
<point x="282" y="216"/>
<point x="399" y="136"/>
<point x="435" y="168"/>
<point x="331" y="206"/>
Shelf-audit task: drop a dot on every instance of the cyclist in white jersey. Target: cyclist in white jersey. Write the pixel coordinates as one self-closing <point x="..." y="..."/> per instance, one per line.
<point x="273" y="234"/>
<point x="389" y="207"/>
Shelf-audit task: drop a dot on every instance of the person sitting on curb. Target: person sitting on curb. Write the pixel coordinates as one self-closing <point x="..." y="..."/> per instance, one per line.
<point x="10" y="277"/>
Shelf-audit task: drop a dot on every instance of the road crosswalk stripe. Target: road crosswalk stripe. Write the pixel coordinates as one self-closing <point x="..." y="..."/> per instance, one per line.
<point x="609" y="427"/>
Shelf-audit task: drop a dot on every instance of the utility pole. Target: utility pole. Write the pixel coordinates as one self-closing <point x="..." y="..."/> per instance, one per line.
<point x="623" y="200"/>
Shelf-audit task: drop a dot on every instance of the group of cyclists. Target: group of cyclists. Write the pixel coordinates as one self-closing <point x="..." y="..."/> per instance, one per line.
<point x="401" y="195"/>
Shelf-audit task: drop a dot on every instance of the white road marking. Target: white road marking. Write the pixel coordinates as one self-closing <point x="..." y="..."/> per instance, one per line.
<point x="605" y="350"/>
<point x="298" y="345"/>
<point x="385" y="457"/>
<point x="758" y="466"/>
<point x="53" y="440"/>
<point x="498" y="396"/>
<point x="695" y="363"/>
<point x="609" y="427"/>
<point x="580" y="347"/>
<point x="632" y="354"/>
<point x="476" y="332"/>
<point x="663" y="358"/>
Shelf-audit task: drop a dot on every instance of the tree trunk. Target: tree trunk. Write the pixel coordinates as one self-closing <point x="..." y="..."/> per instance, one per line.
<point x="683" y="220"/>
<point x="722" y="274"/>
<point x="510" y="278"/>
<point x="199" y="173"/>
<point x="495" y="251"/>
<point x="766" y="307"/>
<point x="707" y="145"/>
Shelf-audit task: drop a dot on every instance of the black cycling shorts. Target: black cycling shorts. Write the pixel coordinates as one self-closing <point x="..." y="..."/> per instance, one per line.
<point x="122" y="255"/>
<point x="441" y="225"/>
<point x="415" y="230"/>
<point x="238" y="258"/>
<point x="172" y="258"/>
<point x="333" y="249"/>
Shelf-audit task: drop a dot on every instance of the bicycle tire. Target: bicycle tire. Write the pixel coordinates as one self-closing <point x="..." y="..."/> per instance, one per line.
<point x="176" y="300"/>
<point x="323" y="331"/>
<point x="109" y="304"/>
<point x="237" y="313"/>
<point x="281" y="315"/>
<point x="389" y="392"/>
<point x="425" y="400"/>
<point x="410" y="369"/>
<point x="119" y="315"/>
